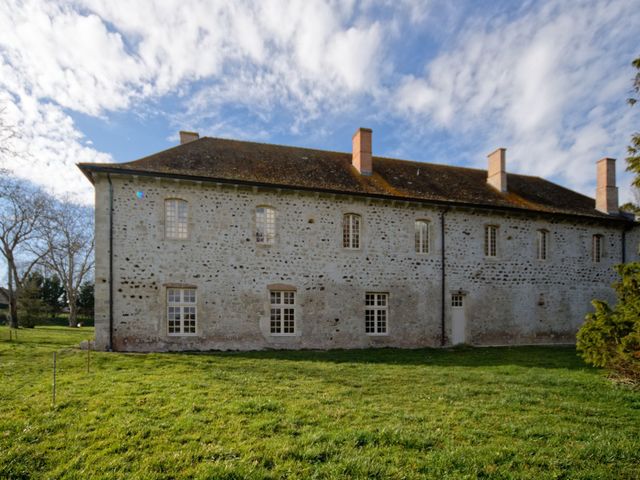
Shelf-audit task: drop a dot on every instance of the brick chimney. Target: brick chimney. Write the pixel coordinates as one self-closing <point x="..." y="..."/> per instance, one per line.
<point x="361" y="158"/>
<point x="497" y="173"/>
<point x="606" y="191"/>
<point x="186" y="137"/>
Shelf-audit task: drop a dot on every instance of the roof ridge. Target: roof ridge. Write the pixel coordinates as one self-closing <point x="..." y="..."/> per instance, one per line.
<point x="394" y="159"/>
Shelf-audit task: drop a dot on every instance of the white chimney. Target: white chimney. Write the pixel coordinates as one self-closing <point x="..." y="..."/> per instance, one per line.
<point x="186" y="137"/>
<point x="497" y="173"/>
<point x="361" y="158"/>
<point x="606" y="191"/>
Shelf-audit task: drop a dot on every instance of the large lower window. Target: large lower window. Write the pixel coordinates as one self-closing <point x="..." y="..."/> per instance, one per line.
<point x="283" y="313"/>
<point x="543" y="241"/>
<point x="176" y="218"/>
<point x="376" y="313"/>
<point x="181" y="311"/>
<point x="351" y="230"/>
<point x="596" y="248"/>
<point x="265" y="225"/>
<point x="422" y="236"/>
<point x="491" y="241"/>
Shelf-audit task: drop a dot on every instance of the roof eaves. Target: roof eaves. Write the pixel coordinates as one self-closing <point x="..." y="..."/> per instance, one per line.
<point x="108" y="168"/>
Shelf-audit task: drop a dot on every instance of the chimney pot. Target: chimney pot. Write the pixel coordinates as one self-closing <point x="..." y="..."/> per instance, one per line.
<point x="361" y="158"/>
<point x="606" y="190"/>
<point x="497" y="173"/>
<point x="186" y="137"/>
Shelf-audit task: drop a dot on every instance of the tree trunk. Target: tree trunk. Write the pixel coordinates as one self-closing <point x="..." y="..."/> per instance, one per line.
<point x="73" y="313"/>
<point x="13" y="311"/>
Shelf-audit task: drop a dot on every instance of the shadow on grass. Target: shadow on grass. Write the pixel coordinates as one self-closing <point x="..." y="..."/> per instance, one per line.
<point x="531" y="356"/>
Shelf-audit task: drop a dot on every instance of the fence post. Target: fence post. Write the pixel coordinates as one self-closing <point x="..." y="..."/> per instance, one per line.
<point x="54" y="380"/>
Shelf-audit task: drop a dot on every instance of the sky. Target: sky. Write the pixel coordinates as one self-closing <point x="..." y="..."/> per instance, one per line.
<point x="437" y="81"/>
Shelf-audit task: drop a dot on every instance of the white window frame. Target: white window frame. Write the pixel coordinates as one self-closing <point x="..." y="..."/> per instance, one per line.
<point x="597" y="242"/>
<point x="422" y="236"/>
<point x="265" y="225"/>
<point x="282" y="313"/>
<point x="182" y="312"/>
<point x="351" y="231"/>
<point x="376" y="313"/>
<point x="491" y="241"/>
<point x="542" y="244"/>
<point x="176" y="219"/>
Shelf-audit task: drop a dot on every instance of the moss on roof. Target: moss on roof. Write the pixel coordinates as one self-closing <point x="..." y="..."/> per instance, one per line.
<point x="218" y="159"/>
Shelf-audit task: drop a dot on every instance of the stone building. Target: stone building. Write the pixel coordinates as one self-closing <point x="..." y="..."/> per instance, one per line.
<point x="224" y="244"/>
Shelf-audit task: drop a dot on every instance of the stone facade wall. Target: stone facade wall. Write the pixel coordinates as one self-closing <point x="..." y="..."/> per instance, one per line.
<point x="513" y="299"/>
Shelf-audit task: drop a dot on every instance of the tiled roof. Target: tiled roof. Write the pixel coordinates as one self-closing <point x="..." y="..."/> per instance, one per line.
<point x="234" y="161"/>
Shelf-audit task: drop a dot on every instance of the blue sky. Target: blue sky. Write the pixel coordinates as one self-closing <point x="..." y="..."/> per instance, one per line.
<point x="443" y="82"/>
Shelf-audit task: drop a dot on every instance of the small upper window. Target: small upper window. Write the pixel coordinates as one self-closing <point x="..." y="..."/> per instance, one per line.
<point x="351" y="230"/>
<point x="176" y="218"/>
<point x="265" y="225"/>
<point x="422" y="236"/>
<point x="596" y="248"/>
<point x="283" y="313"/>
<point x="457" y="300"/>
<point x="543" y="244"/>
<point x="490" y="241"/>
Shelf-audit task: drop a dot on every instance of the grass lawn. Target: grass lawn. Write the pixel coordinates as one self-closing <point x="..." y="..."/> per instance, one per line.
<point x="532" y="412"/>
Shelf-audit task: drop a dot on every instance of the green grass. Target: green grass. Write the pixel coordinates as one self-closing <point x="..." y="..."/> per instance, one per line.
<point x="470" y="413"/>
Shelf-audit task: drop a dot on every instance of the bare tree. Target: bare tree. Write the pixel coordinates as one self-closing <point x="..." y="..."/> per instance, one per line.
<point x="69" y="236"/>
<point x="8" y="135"/>
<point x="22" y="211"/>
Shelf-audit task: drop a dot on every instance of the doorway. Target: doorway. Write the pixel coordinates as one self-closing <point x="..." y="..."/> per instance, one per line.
<point x="458" y="319"/>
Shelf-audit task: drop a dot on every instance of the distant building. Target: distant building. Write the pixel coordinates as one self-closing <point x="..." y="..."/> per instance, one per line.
<point x="4" y="298"/>
<point x="224" y="244"/>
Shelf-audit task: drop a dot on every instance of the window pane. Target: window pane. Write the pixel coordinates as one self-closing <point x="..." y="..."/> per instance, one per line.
<point x="382" y="299"/>
<point x="282" y="320"/>
<point x="542" y="244"/>
<point x="265" y="225"/>
<point x="382" y="321"/>
<point x="456" y="300"/>
<point x="490" y="240"/>
<point x="597" y="248"/>
<point x="176" y="218"/>
<point x="369" y="316"/>
<point x="422" y="236"/>
<point x="351" y="231"/>
<point x="275" y="320"/>
<point x="181" y="311"/>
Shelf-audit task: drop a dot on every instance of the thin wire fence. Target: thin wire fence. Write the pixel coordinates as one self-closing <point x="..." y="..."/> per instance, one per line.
<point x="49" y="370"/>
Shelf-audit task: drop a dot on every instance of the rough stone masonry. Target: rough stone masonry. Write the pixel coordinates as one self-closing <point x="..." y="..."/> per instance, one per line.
<point x="510" y="298"/>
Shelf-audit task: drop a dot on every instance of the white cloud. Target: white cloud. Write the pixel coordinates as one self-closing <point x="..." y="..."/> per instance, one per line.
<point x="97" y="56"/>
<point x="537" y="84"/>
<point x="542" y="84"/>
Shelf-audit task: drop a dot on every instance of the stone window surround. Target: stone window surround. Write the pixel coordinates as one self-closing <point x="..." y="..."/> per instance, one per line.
<point x="165" y="223"/>
<point x="429" y="241"/>
<point x="597" y="248"/>
<point x="542" y="244"/>
<point x="181" y="304"/>
<point x="375" y="311"/>
<point x="360" y="231"/>
<point x="282" y="308"/>
<point x="268" y="224"/>
<point x="457" y="300"/>
<point x="488" y="227"/>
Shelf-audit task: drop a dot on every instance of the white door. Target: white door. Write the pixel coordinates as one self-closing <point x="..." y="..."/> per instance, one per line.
<point x="458" y="320"/>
